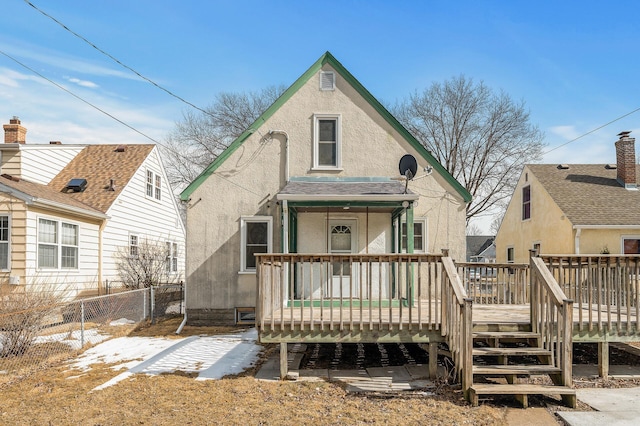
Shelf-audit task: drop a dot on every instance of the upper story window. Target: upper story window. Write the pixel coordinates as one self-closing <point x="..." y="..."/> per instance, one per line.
<point x="57" y="245"/>
<point x="419" y="236"/>
<point x="4" y="242"/>
<point x="154" y="185"/>
<point x="526" y="202"/>
<point x="326" y="142"/>
<point x="133" y="246"/>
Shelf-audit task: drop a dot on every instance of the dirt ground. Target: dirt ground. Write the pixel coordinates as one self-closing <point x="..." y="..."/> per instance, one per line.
<point x="60" y="396"/>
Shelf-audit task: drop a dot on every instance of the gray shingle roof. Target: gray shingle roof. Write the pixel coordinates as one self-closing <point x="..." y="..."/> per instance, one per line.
<point x="345" y="188"/>
<point x="589" y="194"/>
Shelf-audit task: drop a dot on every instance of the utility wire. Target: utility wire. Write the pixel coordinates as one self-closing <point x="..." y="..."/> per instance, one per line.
<point x="78" y="97"/>
<point x="594" y="130"/>
<point x="114" y="59"/>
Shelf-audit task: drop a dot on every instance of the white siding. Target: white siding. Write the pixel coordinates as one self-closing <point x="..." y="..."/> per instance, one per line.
<point x="41" y="163"/>
<point x="70" y="281"/>
<point x="134" y="213"/>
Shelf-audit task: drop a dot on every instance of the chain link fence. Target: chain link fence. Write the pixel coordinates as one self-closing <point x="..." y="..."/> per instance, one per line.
<point x="37" y="337"/>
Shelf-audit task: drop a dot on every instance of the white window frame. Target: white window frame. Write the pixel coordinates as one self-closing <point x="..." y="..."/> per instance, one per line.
<point x="513" y="252"/>
<point x="423" y="249"/>
<point x="172" y="257"/>
<point x="153" y="185"/>
<point x="135" y="245"/>
<point x="7" y="242"/>
<point x="58" y="244"/>
<point x="627" y="237"/>
<point x="316" y="141"/>
<point x="243" y="239"/>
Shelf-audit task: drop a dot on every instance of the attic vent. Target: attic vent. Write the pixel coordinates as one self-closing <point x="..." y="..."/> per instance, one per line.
<point x="10" y="177"/>
<point x="55" y="143"/>
<point x="327" y="80"/>
<point x="121" y="148"/>
<point x="563" y="167"/>
<point x="77" y="185"/>
<point x="611" y="166"/>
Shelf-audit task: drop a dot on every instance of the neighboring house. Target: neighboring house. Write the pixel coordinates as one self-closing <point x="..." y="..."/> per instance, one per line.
<point x="317" y="172"/>
<point x="67" y="211"/>
<point x="574" y="209"/>
<point x="481" y="248"/>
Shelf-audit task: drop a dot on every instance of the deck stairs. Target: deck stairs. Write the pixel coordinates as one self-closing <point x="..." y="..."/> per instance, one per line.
<point x="506" y="356"/>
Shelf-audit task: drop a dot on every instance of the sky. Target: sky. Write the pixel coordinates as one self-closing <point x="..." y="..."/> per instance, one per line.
<point x="575" y="64"/>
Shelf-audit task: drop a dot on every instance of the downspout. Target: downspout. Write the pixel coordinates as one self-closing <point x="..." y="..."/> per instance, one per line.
<point x="184" y="301"/>
<point x="286" y="151"/>
<point x="100" y="254"/>
<point x="576" y="241"/>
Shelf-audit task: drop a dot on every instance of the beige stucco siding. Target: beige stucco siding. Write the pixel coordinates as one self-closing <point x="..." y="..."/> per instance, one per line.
<point x="246" y="184"/>
<point x="547" y="226"/>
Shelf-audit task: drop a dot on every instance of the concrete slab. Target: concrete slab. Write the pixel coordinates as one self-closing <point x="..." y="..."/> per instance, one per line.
<point x="531" y="417"/>
<point x="270" y="370"/>
<point x="576" y="418"/>
<point x="396" y="373"/>
<point x="612" y="400"/>
<point x="320" y="374"/>
<point x="615" y="371"/>
<point x="418" y="371"/>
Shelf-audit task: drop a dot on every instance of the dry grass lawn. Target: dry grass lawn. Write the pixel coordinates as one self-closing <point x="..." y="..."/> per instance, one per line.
<point x="59" y="396"/>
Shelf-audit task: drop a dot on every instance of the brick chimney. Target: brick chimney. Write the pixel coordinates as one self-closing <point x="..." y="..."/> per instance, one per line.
<point x="14" y="132"/>
<point x="626" y="160"/>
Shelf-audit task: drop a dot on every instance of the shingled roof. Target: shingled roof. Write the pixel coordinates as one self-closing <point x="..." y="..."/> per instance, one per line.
<point x="35" y="192"/>
<point x="589" y="194"/>
<point x="98" y="164"/>
<point x="323" y="189"/>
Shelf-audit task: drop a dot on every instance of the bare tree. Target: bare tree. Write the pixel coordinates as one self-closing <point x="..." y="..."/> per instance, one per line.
<point x="199" y="138"/>
<point x="146" y="266"/>
<point x="473" y="229"/>
<point x="481" y="137"/>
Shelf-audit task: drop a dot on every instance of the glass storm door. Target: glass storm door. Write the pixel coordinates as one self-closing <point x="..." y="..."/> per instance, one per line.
<point x="342" y="240"/>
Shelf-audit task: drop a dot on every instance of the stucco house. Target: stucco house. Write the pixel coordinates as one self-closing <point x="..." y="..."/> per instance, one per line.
<point x="574" y="209"/>
<point x="317" y="172"/>
<point x="68" y="211"/>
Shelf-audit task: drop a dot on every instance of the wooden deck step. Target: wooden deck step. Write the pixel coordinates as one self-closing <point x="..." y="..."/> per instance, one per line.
<point x="506" y="335"/>
<point x="494" y="370"/>
<point x="510" y="351"/>
<point x="522" y="390"/>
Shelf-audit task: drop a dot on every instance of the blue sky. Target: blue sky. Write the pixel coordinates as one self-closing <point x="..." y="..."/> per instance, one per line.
<point x="575" y="64"/>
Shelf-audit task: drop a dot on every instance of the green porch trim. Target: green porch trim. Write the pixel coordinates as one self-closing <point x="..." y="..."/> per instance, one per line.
<point x="323" y="203"/>
<point x="327" y="58"/>
<point x="385" y="303"/>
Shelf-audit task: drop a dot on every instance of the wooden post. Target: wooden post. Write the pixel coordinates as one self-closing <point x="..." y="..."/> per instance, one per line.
<point x="283" y="361"/>
<point x="467" y="347"/>
<point x="567" y="342"/>
<point x="603" y="360"/>
<point x="433" y="360"/>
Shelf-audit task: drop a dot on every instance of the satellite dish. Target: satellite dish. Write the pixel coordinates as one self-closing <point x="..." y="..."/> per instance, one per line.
<point x="408" y="166"/>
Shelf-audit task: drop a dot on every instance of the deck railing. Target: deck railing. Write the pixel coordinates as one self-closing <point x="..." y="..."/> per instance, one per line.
<point x="457" y="323"/>
<point x="552" y="318"/>
<point x="343" y="291"/>
<point x="495" y="283"/>
<point x="605" y="288"/>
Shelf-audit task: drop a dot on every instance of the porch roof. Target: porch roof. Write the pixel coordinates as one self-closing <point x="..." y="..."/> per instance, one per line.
<point x="346" y="191"/>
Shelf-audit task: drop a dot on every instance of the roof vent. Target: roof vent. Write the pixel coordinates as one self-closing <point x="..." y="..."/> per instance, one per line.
<point x="121" y="148"/>
<point x="611" y="166"/>
<point x="77" y="185"/>
<point x="55" y="143"/>
<point x="563" y="167"/>
<point x="10" y="177"/>
<point x="327" y="80"/>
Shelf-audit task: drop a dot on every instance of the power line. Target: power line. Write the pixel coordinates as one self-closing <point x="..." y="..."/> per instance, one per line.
<point x="78" y="97"/>
<point x="594" y="130"/>
<point x="115" y="59"/>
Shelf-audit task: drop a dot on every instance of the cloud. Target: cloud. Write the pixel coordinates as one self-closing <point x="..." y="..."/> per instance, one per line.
<point x="565" y="132"/>
<point x="83" y="83"/>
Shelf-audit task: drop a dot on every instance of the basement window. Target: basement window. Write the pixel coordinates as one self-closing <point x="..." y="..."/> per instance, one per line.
<point x="245" y="315"/>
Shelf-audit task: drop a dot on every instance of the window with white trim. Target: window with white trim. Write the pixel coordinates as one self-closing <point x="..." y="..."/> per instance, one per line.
<point x="172" y="257"/>
<point x="326" y="141"/>
<point x="133" y="246"/>
<point x="154" y="185"/>
<point x="57" y="244"/>
<point x="4" y="242"/>
<point x="511" y="255"/>
<point x="631" y="245"/>
<point x="419" y="236"/>
<point x="256" y="235"/>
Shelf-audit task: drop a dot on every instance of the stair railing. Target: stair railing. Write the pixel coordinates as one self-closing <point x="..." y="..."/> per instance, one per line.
<point x="552" y="318"/>
<point x="457" y="323"/>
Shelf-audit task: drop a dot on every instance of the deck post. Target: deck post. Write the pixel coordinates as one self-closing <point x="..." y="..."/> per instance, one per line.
<point x="433" y="360"/>
<point x="283" y="361"/>
<point x="467" y="347"/>
<point x="603" y="360"/>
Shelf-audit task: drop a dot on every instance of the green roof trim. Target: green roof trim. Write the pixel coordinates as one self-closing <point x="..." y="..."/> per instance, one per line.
<point x="327" y="58"/>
